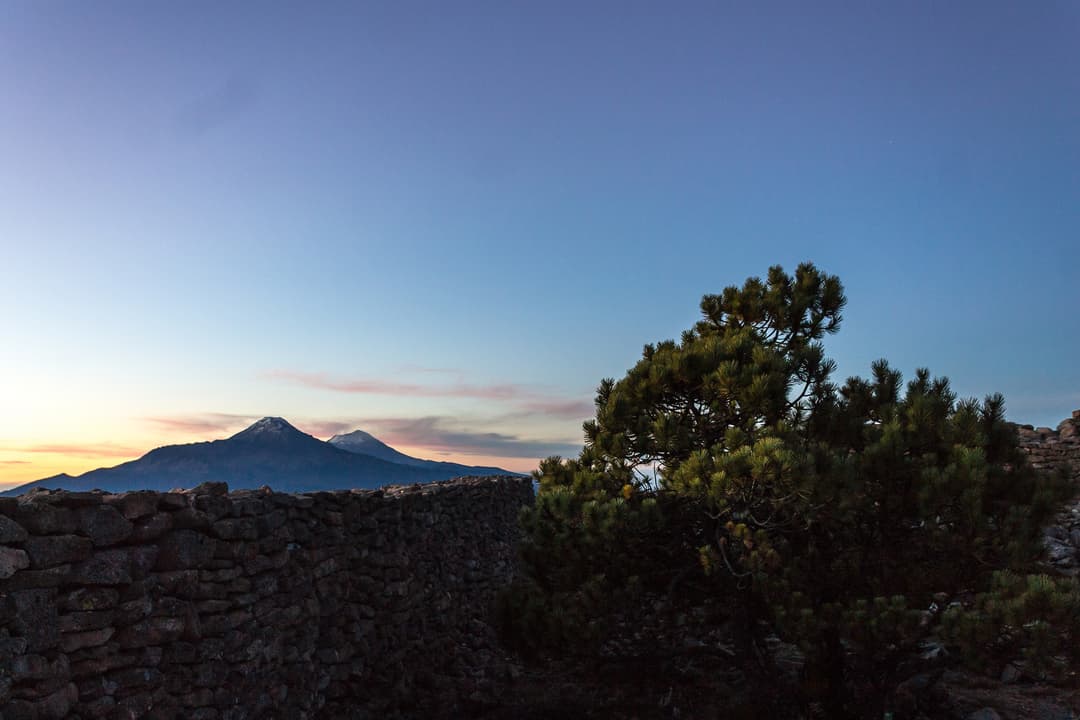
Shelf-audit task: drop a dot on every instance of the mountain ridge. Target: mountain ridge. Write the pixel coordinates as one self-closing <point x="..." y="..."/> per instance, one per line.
<point x="268" y="452"/>
<point x="364" y="443"/>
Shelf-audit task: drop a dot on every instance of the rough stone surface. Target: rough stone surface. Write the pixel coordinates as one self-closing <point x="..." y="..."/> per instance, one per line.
<point x="103" y="524"/>
<point x="253" y="604"/>
<point x="11" y="561"/>
<point x="51" y="550"/>
<point x="11" y="531"/>
<point x="1059" y="451"/>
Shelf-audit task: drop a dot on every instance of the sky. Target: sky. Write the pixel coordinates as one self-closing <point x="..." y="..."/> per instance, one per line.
<point x="445" y="223"/>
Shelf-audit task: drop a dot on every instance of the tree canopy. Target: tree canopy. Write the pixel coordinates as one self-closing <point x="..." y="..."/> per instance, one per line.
<point x="829" y="514"/>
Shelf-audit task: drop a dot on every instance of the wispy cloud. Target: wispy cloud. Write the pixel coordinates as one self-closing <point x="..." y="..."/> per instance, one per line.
<point x="90" y="450"/>
<point x="560" y="408"/>
<point x="203" y="423"/>
<point x="527" y="399"/>
<point x="14" y="462"/>
<point x="443" y="435"/>
<point x="375" y="386"/>
<point x="325" y="428"/>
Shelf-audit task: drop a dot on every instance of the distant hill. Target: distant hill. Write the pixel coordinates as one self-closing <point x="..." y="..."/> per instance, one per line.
<point x="269" y="452"/>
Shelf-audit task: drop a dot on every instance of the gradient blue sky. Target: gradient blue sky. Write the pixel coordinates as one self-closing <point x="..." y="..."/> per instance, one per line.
<point x="445" y="222"/>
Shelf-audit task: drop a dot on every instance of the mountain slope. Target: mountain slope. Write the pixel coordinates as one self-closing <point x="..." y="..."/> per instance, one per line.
<point x="269" y="452"/>
<point x="362" y="443"/>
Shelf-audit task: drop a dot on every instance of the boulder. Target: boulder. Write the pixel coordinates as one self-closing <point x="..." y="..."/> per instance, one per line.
<point x="11" y="561"/>
<point x="184" y="549"/>
<point x="104" y="525"/>
<point x="134" y="505"/>
<point x="35" y="618"/>
<point x="43" y="519"/>
<point x="105" y="567"/>
<point x="11" y="531"/>
<point x="50" y="550"/>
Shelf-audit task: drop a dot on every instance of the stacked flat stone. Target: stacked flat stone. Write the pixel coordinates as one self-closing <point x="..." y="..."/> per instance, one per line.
<point x="1052" y="451"/>
<point x="253" y="604"/>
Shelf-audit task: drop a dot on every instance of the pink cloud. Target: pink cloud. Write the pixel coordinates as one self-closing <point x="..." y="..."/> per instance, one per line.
<point x="560" y="408"/>
<point x="527" y="399"/>
<point x="440" y="435"/>
<point x="368" y="386"/>
<point x="325" y="428"/>
<point x="81" y="450"/>
<point x="202" y="424"/>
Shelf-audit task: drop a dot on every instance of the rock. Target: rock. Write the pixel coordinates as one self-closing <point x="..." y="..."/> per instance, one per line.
<point x="152" y="527"/>
<point x="216" y="506"/>
<point x="236" y="528"/>
<point x="104" y="525"/>
<point x="105" y="567"/>
<point x="86" y="599"/>
<point x="1059" y="552"/>
<point x="42" y="519"/>
<point x="184" y="549"/>
<point x="1068" y="428"/>
<point x="70" y="642"/>
<point x="12" y="646"/>
<point x="134" y="505"/>
<point x="1056" y="532"/>
<point x="143" y="560"/>
<point x="37" y="667"/>
<point x="984" y="714"/>
<point x="153" y="631"/>
<point x="11" y="561"/>
<point x="37" y="579"/>
<point x="211" y="488"/>
<point x="58" y="705"/>
<point x="20" y="710"/>
<point x="933" y="652"/>
<point x="1010" y="674"/>
<point x="191" y="519"/>
<point x="81" y="621"/>
<point x="35" y="618"/>
<point x="51" y="550"/>
<point x="11" y="531"/>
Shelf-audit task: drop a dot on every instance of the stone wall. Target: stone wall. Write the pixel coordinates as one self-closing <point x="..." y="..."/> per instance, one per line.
<point x="254" y="604"/>
<point x="1051" y="450"/>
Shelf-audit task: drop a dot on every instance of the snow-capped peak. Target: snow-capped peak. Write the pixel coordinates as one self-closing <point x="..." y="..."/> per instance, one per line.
<point x="268" y="426"/>
<point x="356" y="437"/>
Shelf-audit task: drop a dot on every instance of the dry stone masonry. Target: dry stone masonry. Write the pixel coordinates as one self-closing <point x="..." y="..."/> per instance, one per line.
<point x="1052" y="450"/>
<point x="207" y="604"/>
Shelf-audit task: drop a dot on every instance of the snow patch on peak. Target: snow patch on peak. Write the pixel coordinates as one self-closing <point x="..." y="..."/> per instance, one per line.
<point x="268" y="426"/>
<point x="356" y="437"/>
<point x="269" y="422"/>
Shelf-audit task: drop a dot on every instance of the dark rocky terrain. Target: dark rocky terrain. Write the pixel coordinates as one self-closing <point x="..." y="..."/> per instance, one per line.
<point x="206" y="604"/>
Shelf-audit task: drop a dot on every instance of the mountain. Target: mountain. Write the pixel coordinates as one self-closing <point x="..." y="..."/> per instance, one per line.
<point x="362" y="443"/>
<point x="269" y="452"/>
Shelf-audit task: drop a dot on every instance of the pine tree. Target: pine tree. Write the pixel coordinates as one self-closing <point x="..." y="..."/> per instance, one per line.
<point x="830" y="515"/>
